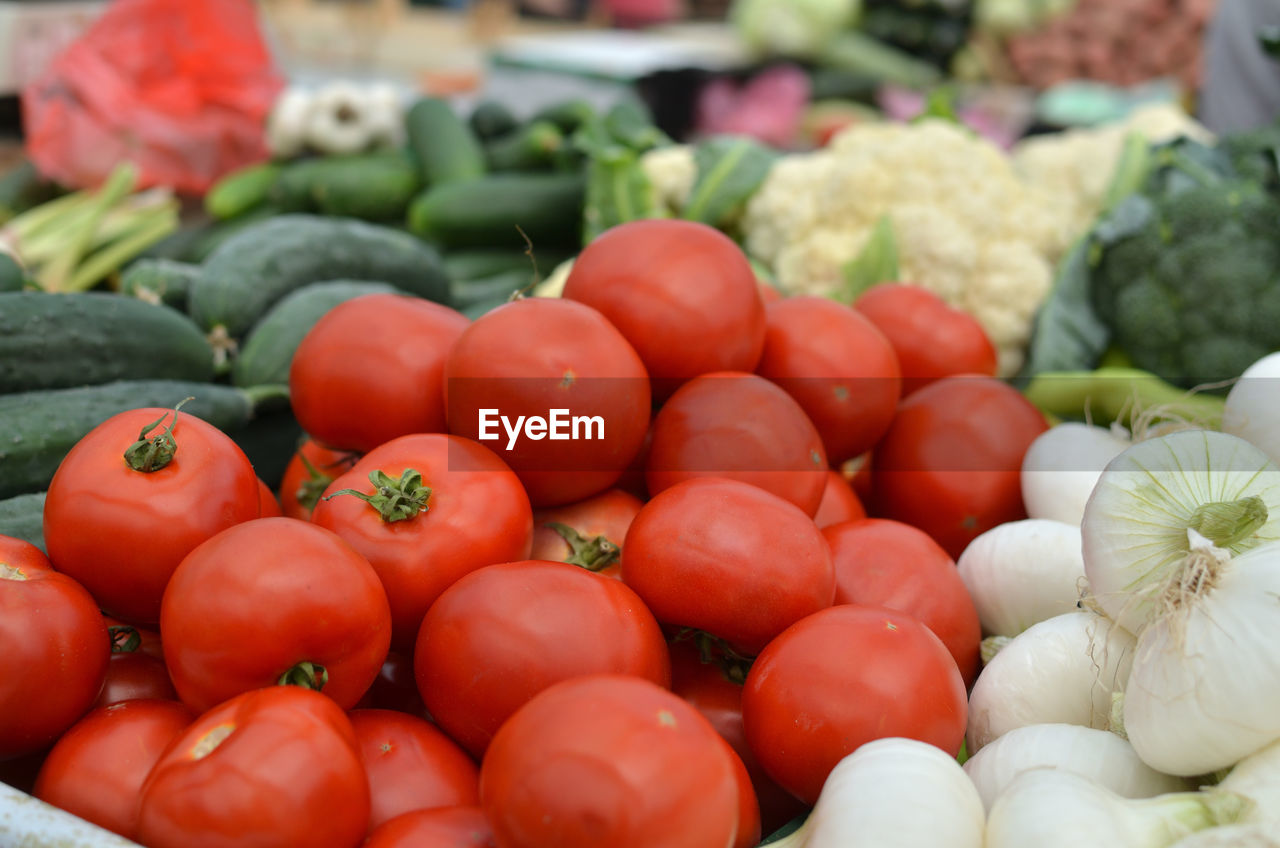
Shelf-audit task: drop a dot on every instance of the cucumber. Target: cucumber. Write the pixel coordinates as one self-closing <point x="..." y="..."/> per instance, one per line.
<point x="464" y="293"/>
<point x="476" y="263"/>
<point x="164" y="281"/>
<point x="269" y="440"/>
<point x="373" y="187"/>
<point x="567" y="115"/>
<point x="480" y="307"/>
<point x="210" y="238"/>
<point x="22" y="517"/>
<point x="23" y="188"/>
<point x="491" y="119"/>
<point x="242" y="190"/>
<point x="486" y="212"/>
<point x="268" y="351"/>
<point x="291" y="190"/>
<point x="41" y="426"/>
<point x="56" y="341"/>
<point x="444" y="146"/>
<point x="533" y="147"/>
<point x="12" y="277"/>
<point x="258" y="266"/>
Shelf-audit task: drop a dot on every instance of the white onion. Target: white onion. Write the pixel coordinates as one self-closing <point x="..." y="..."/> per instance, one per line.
<point x="1252" y="410"/>
<point x="1062" y="466"/>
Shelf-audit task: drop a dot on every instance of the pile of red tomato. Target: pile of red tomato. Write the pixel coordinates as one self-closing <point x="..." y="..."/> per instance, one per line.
<point x="665" y="636"/>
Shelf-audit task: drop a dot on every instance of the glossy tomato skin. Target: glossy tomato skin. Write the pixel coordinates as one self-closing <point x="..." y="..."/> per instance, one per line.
<point x="728" y="558"/>
<point x="931" y="339"/>
<point x="268" y="506"/>
<point x="951" y="462"/>
<point x="857" y="674"/>
<point x="478" y="514"/>
<point x="839" y="502"/>
<point x="534" y="355"/>
<point x="890" y="564"/>
<point x="372" y="369"/>
<point x="132" y="675"/>
<point x="502" y="634"/>
<point x="600" y="523"/>
<point x="741" y="427"/>
<point x="56" y="650"/>
<point x="682" y="293"/>
<point x="411" y="765"/>
<point x="839" y="368"/>
<point x="256" y="600"/>
<point x="96" y="769"/>
<point x="609" y="760"/>
<point x="271" y="767"/>
<point x="301" y="487"/>
<point x="121" y="532"/>
<point x="444" y="827"/>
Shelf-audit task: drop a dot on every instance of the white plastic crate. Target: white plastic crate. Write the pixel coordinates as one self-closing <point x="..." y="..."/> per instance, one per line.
<point x="27" y="822"/>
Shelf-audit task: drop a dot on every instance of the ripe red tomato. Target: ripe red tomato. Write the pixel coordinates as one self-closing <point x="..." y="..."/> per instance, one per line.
<point x="682" y="293"/>
<point x="96" y="769"/>
<point x="740" y="427"/>
<point x="56" y="649"/>
<point x="839" y="368"/>
<point x="504" y="633"/>
<point x="588" y="533"/>
<point x="268" y="506"/>
<point x="274" y="600"/>
<point x="855" y="674"/>
<point x="133" y="672"/>
<point x="272" y="768"/>
<point x="930" y="338"/>
<point x="890" y="564"/>
<point x="411" y="765"/>
<point x="310" y="471"/>
<point x="839" y="502"/>
<point x="475" y="513"/>
<point x="372" y="369"/>
<point x="769" y="294"/>
<point x="121" y="532"/>
<point x="445" y="827"/>
<point x="122" y="638"/>
<point x="532" y="356"/>
<point x="609" y="760"/>
<point x="951" y="462"/>
<point x="728" y="558"/>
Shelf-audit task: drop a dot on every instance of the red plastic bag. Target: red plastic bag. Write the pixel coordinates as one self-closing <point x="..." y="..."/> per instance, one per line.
<point x="180" y="87"/>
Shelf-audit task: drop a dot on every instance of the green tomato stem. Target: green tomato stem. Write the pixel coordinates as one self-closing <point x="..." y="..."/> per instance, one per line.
<point x="395" y="498"/>
<point x="152" y="453"/>
<point x="124" y="639"/>
<point x="594" y="554"/>
<point x="308" y="675"/>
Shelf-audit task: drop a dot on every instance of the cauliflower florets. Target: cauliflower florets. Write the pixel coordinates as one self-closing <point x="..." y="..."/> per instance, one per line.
<point x="672" y="172"/>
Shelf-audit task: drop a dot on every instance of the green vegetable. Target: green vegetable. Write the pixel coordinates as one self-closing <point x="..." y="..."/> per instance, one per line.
<point x="477" y="263"/>
<point x="618" y="189"/>
<point x="481" y="307"/>
<point x="858" y="52"/>
<point x="12" y="277"/>
<point x="730" y="169"/>
<point x="444" y="147"/>
<point x="795" y="28"/>
<point x="160" y="281"/>
<point x="492" y="119"/>
<point x="567" y="115"/>
<point x="242" y="190"/>
<point x="22" y="517"/>
<point x="876" y="263"/>
<point x="492" y="211"/>
<point x="372" y="187"/>
<point x="1116" y="394"/>
<point x="22" y="188"/>
<point x="530" y="148"/>
<point x="499" y="286"/>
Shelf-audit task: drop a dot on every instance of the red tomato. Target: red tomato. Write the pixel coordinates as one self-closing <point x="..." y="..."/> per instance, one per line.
<point x="271" y="768"/>
<point x="411" y="765"/>
<point x="121" y="532"/>
<point x="274" y="600"/>
<point x="504" y="633"/>
<point x="839" y="502"/>
<point x="473" y="513"/>
<point x="132" y="672"/>
<point x="707" y="687"/>
<point x="372" y="369"/>
<point x="97" y="768"/>
<point x="951" y="463"/>
<point x="682" y="293"/>
<point x="129" y="638"/>
<point x="890" y="564"/>
<point x="855" y="674"/>
<point x="310" y="471"/>
<point x="839" y="368"/>
<point x="609" y="760"/>
<point x="588" y="533"/>
<point x="536" y="355"/>
<point x="445" y="827"/>
<point x="768" y="293"/>
<point x="728" y="558"/>
<point x="55" y="654"/>
<point x="268" y="506"/>
<point x="931" y="339"/>
<point x="395" y="688"/>
<point x="741" y="427"/>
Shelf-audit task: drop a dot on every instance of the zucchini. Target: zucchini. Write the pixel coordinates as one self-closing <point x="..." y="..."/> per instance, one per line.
<point x="464" y="293"/>
<point x="41" y="426"/>
<point x="491" y="119"/>
<point x="56" y="341"/>
<point x="22" y="517"/>
<point x="373" y="187"/>
<point x="258" y="266"/>
<point x="567" y="115"/>
<point x="12" y="277"/>
<point x="533" y="147"/>
<point x="157" y="280"/>
<point x="242" y="190"/>
<point x="444" y="146"/>
<point x="477" y="263"/>
<point x="268" y="351"/>
<point x="487" y="211"/>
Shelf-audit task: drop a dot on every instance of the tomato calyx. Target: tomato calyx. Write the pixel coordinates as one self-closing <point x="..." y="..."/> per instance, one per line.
<point x="594" y="554"/>
<point x="395" y="498"/>
<point x="310" y="489"/>
<point x="124" y="639"/>
<point x="308" y="675"/>
<point x="716" y="651"/>
<point x="151" y="453"/>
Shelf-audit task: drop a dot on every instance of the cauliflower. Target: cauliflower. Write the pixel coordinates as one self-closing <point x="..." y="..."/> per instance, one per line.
<point x="672" y="172"/>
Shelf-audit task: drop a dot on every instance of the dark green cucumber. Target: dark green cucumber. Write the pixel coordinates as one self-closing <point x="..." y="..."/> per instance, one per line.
<point x="55" y="341"/>
<point x="477" y="263"/>
<point x="40" y="427"/>
<point x="291" y="189"/>
<point x="268" y="351"/>
<point x="533" y="147"/>
<point x="567" y="115"/>
<point x="22" y="188"/>
<point x="258" y="266"/>
<point x="464" y="293"/>
<point x="480" y="307"/>
<point x="372" y="187"/>
<point x="269" y="440"/>
<point x="491" y="119"/>
<point x="12" y="277"/>
<point x="242" y="190"/>
<point x="164" y="281"/>
<point x="22" y="517"/>
<point x="210" y="238"/>
<point x="445" y="148"/>
<point x="487" y="212"/>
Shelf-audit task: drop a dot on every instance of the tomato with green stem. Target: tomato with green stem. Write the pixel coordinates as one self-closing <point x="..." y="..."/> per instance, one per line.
<point x="309" y="472"/>
<point x="132" y="672"/>
<point x="588" y="533"/>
